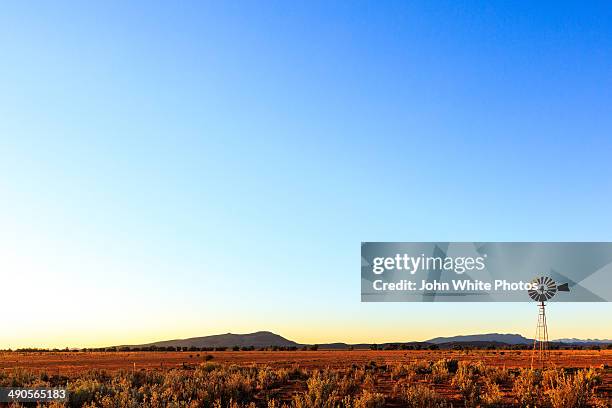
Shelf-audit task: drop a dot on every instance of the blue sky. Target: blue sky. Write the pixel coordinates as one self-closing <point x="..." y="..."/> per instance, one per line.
<point x="174" y="170"/>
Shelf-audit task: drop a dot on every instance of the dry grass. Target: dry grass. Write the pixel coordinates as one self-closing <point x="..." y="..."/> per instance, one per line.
<point x="419" y="396"/>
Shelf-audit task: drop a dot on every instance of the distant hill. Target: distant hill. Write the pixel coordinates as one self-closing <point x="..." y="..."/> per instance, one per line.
<point x="257" y="339"/>
<point x="512" y="339"/>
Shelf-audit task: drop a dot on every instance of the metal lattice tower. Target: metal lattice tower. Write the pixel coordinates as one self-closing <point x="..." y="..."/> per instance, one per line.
<point x="541" y="352"/>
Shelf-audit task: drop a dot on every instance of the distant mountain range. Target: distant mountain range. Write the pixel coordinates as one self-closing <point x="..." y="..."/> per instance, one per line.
<point x="268" y="339"/>
<point x="585" y="341"/>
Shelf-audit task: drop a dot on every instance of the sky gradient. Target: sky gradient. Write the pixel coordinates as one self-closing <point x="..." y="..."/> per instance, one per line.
<point x="179" y="170"/>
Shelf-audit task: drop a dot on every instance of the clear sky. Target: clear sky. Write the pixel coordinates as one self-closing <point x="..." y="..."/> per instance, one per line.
<point x="181" y="169"/>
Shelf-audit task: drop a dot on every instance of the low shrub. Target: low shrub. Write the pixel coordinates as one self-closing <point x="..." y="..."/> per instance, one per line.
<point x="420" y="396"/>
<point x="570" y="390"/>
<point x="527" y="388"/>
<point x="440" y="371"/>
<point x="367" y="399"/>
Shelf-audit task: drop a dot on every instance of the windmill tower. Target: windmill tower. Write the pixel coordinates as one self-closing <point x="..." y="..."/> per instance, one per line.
<point x="545" y="290"/>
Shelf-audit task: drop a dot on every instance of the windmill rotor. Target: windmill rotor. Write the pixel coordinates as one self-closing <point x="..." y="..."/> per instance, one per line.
<point x="545" y="289"/>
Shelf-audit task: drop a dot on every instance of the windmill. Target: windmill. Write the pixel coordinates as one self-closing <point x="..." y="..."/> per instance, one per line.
<point x="545" y="289"/>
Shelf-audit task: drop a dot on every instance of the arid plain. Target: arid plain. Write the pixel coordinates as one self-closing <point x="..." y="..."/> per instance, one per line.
<point x="357" y="378"/>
